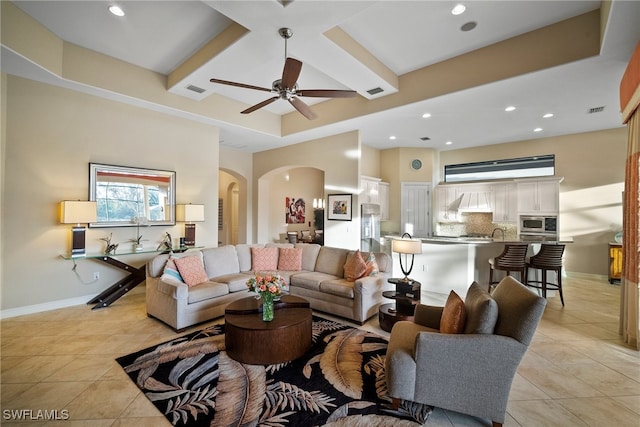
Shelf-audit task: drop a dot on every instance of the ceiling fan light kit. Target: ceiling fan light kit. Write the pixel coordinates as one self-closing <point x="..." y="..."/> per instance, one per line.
<point x="286" y="88"/>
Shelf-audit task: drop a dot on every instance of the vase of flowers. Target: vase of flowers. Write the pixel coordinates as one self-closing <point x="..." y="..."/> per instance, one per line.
<point x="268" y="288"/>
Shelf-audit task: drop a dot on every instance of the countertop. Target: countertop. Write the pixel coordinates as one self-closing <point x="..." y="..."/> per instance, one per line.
<point x="485" y="240"/>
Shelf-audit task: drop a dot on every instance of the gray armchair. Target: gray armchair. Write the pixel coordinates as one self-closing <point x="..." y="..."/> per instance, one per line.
<point x="469" y="372"/>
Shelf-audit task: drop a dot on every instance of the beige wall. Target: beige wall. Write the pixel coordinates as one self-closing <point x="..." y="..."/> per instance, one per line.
<point x="239" y="164"/>
<point x="592" y="165"/>
<point x="338" y="156"/>
<point x="51" y="136"/>
<point x="304" y="183"/>
<point x="395" y="169"/>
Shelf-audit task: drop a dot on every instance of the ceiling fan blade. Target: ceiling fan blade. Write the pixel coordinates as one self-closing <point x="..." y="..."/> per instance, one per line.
<point x="290" y="73"/>
<point x="327" y="93"/>
<point x="302" y="108"/>
<point x="226" y="82"/>
<point x="260" y="105"/>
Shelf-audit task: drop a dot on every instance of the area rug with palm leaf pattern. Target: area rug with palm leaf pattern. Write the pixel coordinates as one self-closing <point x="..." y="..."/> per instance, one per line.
<point x="340" y="381"/>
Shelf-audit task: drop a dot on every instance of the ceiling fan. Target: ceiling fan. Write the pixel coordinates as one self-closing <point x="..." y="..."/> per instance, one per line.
<point x="287" y="88"/>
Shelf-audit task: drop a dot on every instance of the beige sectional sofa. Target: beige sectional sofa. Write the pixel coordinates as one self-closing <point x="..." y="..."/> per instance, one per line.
<point x="321" y="280"/>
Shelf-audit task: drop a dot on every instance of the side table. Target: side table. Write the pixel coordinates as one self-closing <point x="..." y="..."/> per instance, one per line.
<point x="406" y="296"/>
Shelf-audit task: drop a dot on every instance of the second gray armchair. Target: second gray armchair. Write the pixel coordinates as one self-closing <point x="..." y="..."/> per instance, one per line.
<point x="469" y="372"/>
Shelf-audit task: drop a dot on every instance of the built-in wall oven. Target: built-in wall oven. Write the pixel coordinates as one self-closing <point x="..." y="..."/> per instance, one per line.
<point x="542" y="226"/>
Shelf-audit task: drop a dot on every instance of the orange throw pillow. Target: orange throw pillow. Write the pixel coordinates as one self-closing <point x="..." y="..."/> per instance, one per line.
<point x="355" y="267"/>
<point x="454" y="315"/>
<point x="264" y="259"/>
<point x="192" y="270"/>
<point x="290" y="259"/>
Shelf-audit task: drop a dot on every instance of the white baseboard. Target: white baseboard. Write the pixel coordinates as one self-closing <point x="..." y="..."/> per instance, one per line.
<point x="37" y="308"/>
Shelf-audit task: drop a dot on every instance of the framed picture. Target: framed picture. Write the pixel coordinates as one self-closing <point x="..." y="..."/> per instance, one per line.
<point x="339" y="207"/>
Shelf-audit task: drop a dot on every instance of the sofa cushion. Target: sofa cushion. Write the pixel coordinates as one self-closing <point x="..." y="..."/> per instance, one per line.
<point x="191" y="269"/>
<point x="355" y="267"/>
<point x="309" y="255"/>
<point x="290" y="259"/>
<point x="482" y="311"/>
<point x="235" y="282"/>
<point x="220" y="260"/>
<point x="331" y="261"/>
<point x="264" y="259"/>
<point x="310" y="280"/>
<point x="453" y="315"/>
<point x="339" y="287"/>
<point x="206" y="290"/>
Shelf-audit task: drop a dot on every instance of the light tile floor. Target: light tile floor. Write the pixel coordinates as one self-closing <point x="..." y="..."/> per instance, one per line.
<point x="577" y="371"/>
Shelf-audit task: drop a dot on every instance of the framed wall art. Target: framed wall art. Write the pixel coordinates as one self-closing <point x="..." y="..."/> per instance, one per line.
<point x="339" y="207"/>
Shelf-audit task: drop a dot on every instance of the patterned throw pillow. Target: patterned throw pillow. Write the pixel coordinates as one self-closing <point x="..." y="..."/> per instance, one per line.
<point x="290" y="259"/>
<point x="171" y="273"/>
<point x="372" y="266"/>
<point x="192" y="270"/>
<point x="264" y="258"/>
<point x="355" y="266"/>
<point x="454" y="315"/>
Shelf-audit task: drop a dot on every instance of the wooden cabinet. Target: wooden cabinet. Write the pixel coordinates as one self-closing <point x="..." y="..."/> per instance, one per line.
<point x="615" y="262"/>
<point x="370" y="192"/>
<point x="505" y="202"/>
<point x="383" y="195"/>
<point x="540" y="196"/>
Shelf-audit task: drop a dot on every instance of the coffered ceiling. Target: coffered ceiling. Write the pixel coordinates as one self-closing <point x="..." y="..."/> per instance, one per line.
<point x="359" y="45"/>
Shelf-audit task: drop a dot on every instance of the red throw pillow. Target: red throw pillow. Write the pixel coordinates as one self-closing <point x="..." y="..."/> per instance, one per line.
<point x="290" y="259"/>
<point x="454" y="315"/>
<point x="191" y="269"/>
<point x="264" y="259"/>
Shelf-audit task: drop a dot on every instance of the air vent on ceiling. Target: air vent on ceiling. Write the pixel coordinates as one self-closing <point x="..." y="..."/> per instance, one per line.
<point x="375" y="90"/>
<point x="595" y="110"/>
<point x="196" y="89"/>
<point x="425" y="138"/>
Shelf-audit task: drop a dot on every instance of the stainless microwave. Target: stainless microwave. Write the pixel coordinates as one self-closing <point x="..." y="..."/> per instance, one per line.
<point x="545" y="225"/>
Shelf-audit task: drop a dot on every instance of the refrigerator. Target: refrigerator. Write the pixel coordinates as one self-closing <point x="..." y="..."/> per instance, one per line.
<point x="369" y="227"/>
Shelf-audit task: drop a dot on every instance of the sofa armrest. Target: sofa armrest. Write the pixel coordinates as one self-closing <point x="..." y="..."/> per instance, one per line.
<point x="428" y="315"/>
<point x="179" y="291"/>
<point x="368" y="284"/>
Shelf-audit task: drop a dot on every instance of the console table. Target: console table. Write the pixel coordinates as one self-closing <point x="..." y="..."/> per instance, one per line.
<point x="136" y="275"/>
<point x="406" y="296"/>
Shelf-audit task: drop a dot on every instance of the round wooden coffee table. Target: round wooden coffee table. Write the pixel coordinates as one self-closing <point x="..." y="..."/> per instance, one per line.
<point x="249" y="339"/>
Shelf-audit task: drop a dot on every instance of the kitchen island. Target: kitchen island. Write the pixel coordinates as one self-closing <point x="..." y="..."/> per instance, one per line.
<point x="453" y="263"/>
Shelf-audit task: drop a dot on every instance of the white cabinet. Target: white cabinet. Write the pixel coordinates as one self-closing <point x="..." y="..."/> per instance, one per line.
<point x="505" y="202"/>
<point x="383" y="195"/>
<point x="538" y="196"/>
<point x="445" y="195"/>
<point x="370" y="192"/>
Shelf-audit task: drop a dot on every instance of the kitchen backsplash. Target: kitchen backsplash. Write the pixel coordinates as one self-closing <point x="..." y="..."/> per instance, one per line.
<point x="475" y="223"/>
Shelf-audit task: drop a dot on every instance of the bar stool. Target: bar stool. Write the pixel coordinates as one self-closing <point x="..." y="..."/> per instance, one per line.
<point x="512" y="259"/>
<point x="548" y="258"/>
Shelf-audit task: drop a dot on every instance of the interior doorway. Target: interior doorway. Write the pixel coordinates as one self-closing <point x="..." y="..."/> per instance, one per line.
<point x="415" y="205"/>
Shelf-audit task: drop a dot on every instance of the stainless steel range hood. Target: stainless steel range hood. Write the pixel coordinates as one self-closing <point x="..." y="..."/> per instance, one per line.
<point x="471" y="202"/>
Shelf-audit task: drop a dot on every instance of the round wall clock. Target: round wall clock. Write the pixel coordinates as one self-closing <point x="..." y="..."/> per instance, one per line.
<point x="416" y="164"/>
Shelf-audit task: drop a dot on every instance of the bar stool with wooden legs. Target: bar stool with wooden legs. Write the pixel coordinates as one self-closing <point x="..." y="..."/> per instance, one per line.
<point x="512" y="259"/>
<point x="548" y="258"/>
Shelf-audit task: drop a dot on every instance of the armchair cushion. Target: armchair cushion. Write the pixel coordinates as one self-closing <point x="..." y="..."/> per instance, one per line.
<point x="482" y="311"/>
<point x="453" y="315"/>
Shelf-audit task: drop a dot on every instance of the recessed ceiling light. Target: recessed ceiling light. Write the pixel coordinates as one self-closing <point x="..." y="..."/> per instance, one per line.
<point x="116" y="10"/>
<point x="546" y="116"/>
<point x="392" y="137"/>
<point x="448" y="143"/>
<point x="510" y="108"/>
<point x="458" y="9"/>
<point x="537" y="130"/>
<point x="426" y="115"/>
